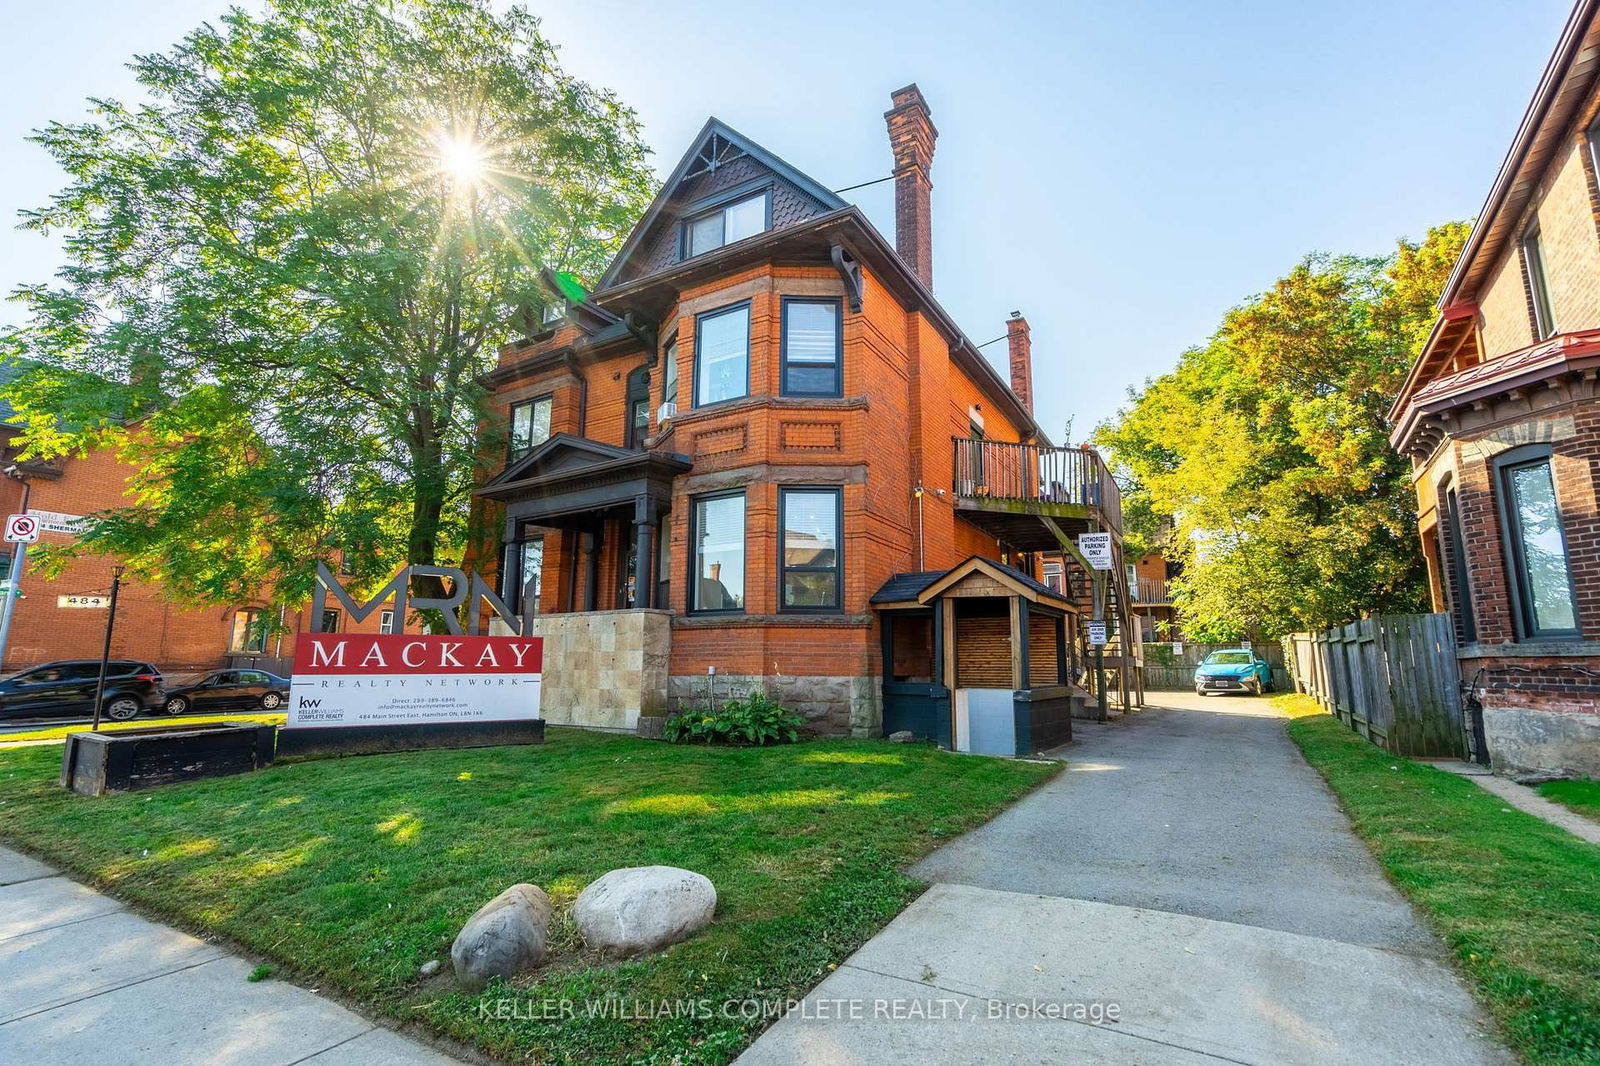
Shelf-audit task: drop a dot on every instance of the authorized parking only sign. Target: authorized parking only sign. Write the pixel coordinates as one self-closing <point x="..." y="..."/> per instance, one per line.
<point x="351" y="679"/>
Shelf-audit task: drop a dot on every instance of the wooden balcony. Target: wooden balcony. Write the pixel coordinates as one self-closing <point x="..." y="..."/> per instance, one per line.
<point x="1151" y="591"/>
<point x="1010" y="490"/>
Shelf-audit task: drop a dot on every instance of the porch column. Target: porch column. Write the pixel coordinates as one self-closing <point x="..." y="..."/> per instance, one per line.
<point x="592" y="542"/>
<point x="644" y="526"/>
<point x="1019" y="643"/>
<point x="510" y="565"/>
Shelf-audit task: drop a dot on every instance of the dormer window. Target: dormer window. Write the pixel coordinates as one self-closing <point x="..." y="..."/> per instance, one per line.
<point x="554" y="312"/>
<point x="724" y="225"/>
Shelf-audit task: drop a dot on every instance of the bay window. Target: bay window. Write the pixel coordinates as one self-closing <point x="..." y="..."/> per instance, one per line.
<point x="716" y="537"/>
<point x="722" y="355"/>
<point x="809" y="558"/>
<point x="812" y="345"/>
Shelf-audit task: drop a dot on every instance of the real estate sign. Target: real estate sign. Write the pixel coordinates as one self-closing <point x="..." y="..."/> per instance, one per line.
<point x="357" y="679"/>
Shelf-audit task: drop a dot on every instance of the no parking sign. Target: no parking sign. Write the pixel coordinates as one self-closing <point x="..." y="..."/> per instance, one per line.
<point x="22" y="529"/>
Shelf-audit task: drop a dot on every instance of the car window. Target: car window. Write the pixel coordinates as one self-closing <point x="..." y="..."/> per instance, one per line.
<point x="44" y="675"/>
<point x="225" y="677"/>
<point x="1228" y="658"/>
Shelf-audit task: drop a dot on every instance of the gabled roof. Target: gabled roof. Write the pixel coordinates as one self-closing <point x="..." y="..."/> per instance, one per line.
<point x="1562" y="90"/>
<point x="924" y="586"/>
<point x="659" y="210"/>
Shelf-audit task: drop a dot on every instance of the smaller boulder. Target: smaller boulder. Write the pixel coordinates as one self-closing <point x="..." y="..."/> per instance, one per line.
<point x="904" y="736"/>
<point x="429" y="968"/>
<point x="506" y="936"/>
<point x="641" y="909"/>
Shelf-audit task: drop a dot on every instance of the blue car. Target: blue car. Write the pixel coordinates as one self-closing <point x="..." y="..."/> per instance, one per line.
<point x="1233" y="671"/>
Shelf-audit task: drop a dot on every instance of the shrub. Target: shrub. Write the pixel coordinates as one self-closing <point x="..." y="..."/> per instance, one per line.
<point x="753" y="720"/>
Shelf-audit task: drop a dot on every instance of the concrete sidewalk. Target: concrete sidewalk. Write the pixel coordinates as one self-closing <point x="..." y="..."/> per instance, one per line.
<point x="83" y="979"/>
<point x="1190" y="871"/>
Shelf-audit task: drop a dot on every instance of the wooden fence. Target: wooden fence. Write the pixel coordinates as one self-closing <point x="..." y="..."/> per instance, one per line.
<point x="1170" y="667"/>
<point x="1391" y="678"/>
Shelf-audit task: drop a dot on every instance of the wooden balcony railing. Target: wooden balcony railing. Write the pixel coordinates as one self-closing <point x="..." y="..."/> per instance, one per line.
<point x="1152" y="590"/>
<point x="1029" y="473"/>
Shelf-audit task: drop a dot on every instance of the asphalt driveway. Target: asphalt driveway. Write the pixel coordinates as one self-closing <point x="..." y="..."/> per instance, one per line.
<point x="1188" y="873"/>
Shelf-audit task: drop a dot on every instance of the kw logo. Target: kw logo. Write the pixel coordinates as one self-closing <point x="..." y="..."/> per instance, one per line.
<point x="310" y="703"/>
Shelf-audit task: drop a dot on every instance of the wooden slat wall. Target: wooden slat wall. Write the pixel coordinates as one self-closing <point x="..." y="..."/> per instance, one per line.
<point x="983" y="652"/>
<point x="1042" y="651"/>
<point x="1391" y="678"/>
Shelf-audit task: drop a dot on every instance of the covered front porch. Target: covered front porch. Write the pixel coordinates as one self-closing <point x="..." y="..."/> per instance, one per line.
<point x="585" y="526"/>
<point x="978" y="658"/>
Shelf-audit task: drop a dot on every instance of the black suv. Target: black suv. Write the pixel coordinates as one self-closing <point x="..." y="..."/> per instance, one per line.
<point x="67" y="688"/>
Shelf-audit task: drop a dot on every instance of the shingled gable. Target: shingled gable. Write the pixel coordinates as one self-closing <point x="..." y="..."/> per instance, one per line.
<point x="720" y="160"/>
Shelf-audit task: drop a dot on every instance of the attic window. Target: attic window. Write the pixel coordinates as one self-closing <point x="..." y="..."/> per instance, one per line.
<point x="733" y="222"/>
<point x="716" y="152"/>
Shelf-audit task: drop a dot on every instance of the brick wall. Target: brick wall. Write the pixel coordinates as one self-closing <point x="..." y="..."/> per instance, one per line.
<point x="903" y="399"/>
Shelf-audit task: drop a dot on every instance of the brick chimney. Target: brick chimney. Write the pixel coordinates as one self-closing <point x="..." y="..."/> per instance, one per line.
<point x="911" y="137"/>
<point x="1021" y="346"/>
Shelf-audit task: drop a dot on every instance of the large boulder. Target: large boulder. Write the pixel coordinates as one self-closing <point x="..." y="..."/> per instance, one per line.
<point x="644" y="908"/>
<point x="506" y="936"/>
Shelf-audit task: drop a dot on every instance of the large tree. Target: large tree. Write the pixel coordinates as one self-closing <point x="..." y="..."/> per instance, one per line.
<point x="288" y="269"/>
<point x="1267" y="449"/>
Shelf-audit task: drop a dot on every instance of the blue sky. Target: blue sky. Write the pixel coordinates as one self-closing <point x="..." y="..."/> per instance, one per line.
<point x="1122" y="173"/>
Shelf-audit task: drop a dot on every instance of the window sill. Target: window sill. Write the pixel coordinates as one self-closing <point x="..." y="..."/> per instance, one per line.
<point x="1523" y="649"/>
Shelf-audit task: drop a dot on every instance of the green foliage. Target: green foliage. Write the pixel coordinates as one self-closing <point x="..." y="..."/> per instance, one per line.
<point x="1516" y="898"/>
<point x="289" y="268"/>
<point x="349" y="874"/>
<point x="754" y="719"/>
<point x="1267" y="449"/>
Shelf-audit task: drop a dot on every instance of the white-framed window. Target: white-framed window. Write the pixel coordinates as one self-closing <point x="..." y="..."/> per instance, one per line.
<point x="386" y="622"/>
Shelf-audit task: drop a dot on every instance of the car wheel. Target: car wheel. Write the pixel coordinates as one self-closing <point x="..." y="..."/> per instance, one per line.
<point x="271" y="701"/>
<point x="122" y="708"/>
<point x="177" y="705"/>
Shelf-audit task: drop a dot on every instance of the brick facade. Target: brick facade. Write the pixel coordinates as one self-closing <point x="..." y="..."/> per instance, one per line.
<point x="903" y="396"/>
<point x="150" y="626"/>
<point x="1487" y="392"/>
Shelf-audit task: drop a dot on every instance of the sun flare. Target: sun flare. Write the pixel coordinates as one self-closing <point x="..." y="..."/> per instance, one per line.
<point x="462" y="158"/>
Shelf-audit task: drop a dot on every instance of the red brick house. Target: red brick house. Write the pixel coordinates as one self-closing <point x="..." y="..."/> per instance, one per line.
<point x="761" y="433"/>
<point x="150" y="626"/>
<point x="1501" y="420"/>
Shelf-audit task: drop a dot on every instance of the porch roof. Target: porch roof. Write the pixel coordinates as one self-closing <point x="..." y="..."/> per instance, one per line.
<point x="919" y="588"/>
<point x="570" y="475"/>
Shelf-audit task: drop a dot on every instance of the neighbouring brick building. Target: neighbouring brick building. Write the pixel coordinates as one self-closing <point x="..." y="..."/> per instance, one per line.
<point x="1501" y="418"/>
<point x="761" y="429"/>
<point x="150" y="625"/>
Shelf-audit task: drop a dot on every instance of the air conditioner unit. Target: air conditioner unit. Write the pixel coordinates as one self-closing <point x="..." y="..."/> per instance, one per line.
<point x="666" y="413"/>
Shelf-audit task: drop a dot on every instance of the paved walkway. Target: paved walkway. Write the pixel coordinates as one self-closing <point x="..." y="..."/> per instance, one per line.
<point x="83" y="979"/>
<point x="1188" y="870"/>
<point x="1525" y="798"/>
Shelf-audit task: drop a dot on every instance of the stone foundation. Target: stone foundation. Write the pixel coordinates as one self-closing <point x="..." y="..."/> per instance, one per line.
<point x="832" y="706"/>
<point x="1525" y="742"/>
<point x="602" y="669"/>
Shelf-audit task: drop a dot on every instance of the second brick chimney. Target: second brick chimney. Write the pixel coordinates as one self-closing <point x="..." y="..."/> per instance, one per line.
<point x="1021" y="346"/>
<point x="911" y="137"/>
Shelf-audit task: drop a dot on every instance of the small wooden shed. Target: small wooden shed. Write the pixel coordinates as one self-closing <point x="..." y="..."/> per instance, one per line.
<point x="977" y="658"/>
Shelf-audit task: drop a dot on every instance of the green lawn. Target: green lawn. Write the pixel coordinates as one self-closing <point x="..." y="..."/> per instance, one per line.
<point x="1517" y="899"/>
<point x="350" y="873"/>
<point x="1582" y="796"/>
